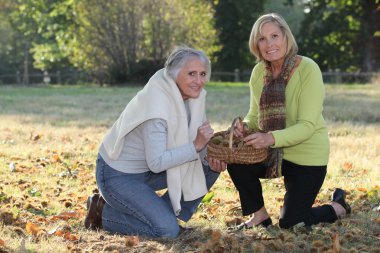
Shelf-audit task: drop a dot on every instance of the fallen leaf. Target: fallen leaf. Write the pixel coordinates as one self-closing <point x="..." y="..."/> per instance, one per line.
<point x="348" y="166"/>
<point x="16" y="158"/>
<point x="336" y="243"/>
<point x="67" y="215"/>
<point x="70" y="237"/>
<point x="216" y="235"/>
<point x="207" y="198"/>
<point x="217" y="200"/>
<point x="55" y="159"/>
<point x="212" y="210"/>
<point x="2" y="243"/>
<point x="32" y="228"/>
<point x="35" y="137"/>
<point x="131" y="241"/>
<point x="92" y="146"/>
<point x="41" y="219"/>
<point x="59" y="233"/>
<point x="318" y="244"/>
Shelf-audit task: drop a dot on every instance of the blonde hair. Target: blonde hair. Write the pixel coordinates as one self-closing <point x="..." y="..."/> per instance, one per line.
<point x="292" y="47"/>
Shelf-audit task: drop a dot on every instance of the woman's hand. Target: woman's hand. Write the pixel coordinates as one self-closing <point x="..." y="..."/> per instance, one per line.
<point x="216" y="165"/>
<point x="204" y="134"/>
<point x="259" y="140"/>
<point x="239" y="129"/>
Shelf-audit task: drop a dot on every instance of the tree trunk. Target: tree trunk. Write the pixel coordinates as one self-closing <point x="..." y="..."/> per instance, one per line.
<point x="371" y="25"/>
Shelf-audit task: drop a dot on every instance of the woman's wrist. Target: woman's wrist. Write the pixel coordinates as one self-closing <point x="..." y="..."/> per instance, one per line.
<point x="272" y="141"/>
<point x="197" y="147"/>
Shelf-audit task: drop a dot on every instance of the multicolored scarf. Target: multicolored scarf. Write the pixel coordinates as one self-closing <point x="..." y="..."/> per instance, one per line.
<point x="272" y="111"/>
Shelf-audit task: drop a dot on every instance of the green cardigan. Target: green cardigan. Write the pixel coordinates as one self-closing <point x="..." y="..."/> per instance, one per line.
<point x="305" y="139"/>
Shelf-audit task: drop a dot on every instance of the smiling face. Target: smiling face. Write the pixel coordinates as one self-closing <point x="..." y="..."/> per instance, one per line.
<point x="272" y="43"/>
<point x="191" y="78"/>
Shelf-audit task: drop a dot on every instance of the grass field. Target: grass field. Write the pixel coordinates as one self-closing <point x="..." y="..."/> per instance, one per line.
<point x="49" y="137"/>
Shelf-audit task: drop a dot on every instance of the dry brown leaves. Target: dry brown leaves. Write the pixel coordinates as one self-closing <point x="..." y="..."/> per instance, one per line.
<point x="33" y="214"/>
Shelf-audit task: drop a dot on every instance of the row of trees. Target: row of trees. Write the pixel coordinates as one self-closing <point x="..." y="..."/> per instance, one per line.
<point x="126" y="40"/>
<point x="115" y="40"/>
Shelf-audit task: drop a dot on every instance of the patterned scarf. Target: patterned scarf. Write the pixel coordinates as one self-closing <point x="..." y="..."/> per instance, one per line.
<point x="272" y="111"/>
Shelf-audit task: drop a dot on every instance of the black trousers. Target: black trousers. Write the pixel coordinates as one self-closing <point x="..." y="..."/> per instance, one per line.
<point x="302" y="184"/>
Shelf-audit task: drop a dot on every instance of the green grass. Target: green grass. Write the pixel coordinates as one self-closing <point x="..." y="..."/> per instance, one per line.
<point x="47" y="132"/>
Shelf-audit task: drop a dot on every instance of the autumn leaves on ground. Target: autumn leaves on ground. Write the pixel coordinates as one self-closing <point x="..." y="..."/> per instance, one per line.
<point x="49" y="138"/>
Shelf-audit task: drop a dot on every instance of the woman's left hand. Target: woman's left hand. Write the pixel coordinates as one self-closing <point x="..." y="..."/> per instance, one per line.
<point x="259" y="140"/>
<point x="204" y="134"/>
<point x="216" y="165"/>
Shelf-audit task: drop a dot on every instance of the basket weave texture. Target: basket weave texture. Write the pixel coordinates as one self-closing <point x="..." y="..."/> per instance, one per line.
<point x="224" y="146"/>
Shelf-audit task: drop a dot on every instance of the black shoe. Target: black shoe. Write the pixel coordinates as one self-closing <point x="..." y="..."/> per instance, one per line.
<point x="265" y="223"/>
<point x="93" y="218"/>
<point x="339" y="196"/>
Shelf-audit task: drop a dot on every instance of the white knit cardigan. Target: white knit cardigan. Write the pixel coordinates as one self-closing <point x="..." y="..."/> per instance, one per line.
<point x="161" y="98"/>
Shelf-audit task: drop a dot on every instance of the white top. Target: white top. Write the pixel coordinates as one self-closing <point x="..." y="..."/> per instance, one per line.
<point x="145" y="150"/>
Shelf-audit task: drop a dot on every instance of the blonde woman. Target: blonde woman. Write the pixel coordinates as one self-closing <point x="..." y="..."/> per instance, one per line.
<point x="287" y="94"/>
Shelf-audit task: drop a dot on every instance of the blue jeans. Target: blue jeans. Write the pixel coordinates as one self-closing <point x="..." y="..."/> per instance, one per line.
<point x="134" y="208"/>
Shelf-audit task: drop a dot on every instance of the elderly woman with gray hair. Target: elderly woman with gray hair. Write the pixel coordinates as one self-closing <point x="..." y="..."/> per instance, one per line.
<point x="158" y="142"/>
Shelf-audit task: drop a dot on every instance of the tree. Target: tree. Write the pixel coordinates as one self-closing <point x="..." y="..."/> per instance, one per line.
<point x="9" y="58"/>
<point x="134" y="38"/>
<point x="14" y="48"/>
<point x="117" y="41"/>
<point x="108" y="37"/>
<point x="179" y="22"/>
<point x="234" y="21"/>
<point x="291" y="10"/>
<point x="45" y="26"/>
<point x="341" y="34"/>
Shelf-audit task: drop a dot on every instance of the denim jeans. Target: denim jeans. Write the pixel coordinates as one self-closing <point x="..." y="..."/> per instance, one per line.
<point x="134" y="208"/>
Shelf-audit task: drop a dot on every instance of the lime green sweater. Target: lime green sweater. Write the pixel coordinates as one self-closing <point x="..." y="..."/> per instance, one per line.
<point x="305" y="139"/>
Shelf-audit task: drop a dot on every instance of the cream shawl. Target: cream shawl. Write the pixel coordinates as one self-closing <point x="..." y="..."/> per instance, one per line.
<point x="161" y="98"/>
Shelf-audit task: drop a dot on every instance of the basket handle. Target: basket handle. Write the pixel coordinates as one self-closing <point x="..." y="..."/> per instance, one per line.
<point x="233" y="126"/>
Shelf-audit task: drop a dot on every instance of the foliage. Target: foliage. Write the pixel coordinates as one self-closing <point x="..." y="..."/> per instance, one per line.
<point x="45" y="25"/>
<point x="117" y="40"/>
<point x="124" y="40"/>
<point x="291" y="10"/>
<point x="134" y="38"/>
<point x="340" y="34"/>
<point x="11" y="42"/>
<point x="234" y="20"/>
<point x="188" y="22"/>
<point x="6" y="35"/>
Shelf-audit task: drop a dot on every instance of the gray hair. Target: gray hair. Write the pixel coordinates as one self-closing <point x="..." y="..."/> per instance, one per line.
<point x="180" y="55"/>
<point x="292" y="47"/>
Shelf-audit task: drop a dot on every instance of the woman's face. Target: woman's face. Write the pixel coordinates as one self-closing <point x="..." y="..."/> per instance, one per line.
<point x="192" y="78"/>
<point x="272" y="42"/>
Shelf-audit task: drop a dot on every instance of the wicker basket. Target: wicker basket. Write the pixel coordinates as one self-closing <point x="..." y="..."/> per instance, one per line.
<point x="225" y="147"/>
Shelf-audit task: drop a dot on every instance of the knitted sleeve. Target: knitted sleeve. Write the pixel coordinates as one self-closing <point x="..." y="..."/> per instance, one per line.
<point x="255" y="85"/>
<point x="304" y="100"/>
